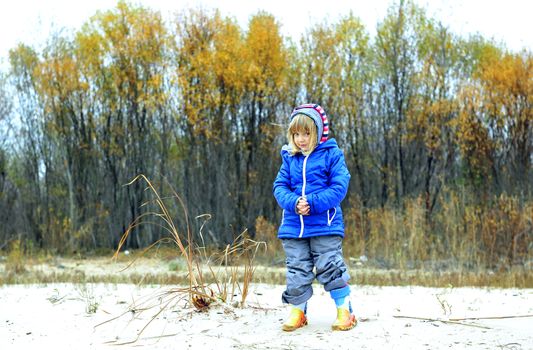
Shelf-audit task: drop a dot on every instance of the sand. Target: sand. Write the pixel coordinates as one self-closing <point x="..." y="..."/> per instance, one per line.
<point x="65" y="316"/>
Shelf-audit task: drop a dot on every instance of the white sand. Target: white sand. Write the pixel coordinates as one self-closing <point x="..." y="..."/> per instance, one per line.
<point x="54" y="316"/>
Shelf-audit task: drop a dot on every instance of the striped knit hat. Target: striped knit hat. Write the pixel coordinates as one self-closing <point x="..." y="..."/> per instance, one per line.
<point x="318" y="115"/>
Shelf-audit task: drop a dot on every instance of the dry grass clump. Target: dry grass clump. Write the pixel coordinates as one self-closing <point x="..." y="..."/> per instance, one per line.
<point x="16" y="260"/>
<point x="496" y="234"/>
<point x="266" y="231"/>
<point x="210" y="279"/>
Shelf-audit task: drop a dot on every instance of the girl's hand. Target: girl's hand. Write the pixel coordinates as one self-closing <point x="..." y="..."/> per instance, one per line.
<point x="302" y="207"/>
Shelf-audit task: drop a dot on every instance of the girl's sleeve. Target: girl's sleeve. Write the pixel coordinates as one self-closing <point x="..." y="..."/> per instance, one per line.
<point x="282" y="187"/>
<point x="339" y="178"/>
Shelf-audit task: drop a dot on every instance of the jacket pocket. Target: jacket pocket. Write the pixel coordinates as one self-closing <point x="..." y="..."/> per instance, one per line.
<point x="330" y="220"/>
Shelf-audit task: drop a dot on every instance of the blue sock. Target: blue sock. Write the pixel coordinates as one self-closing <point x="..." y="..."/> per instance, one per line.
<point x="342" y="297"/>
<point x="302" y="306"/>
<point x="344" y="303"/>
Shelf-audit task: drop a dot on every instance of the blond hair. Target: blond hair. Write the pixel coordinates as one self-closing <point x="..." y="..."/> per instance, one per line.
<point x="301" y="123"/>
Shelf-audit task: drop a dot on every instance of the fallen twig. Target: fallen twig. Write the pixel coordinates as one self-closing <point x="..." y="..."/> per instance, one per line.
<point x="440" y="320"/>
<point x="489" y="318"/>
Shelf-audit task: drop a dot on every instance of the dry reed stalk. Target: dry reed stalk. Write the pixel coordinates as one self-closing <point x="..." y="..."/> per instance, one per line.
<point x="242" y="247"/>
<point x="489" y="318"/>
<point x="440" y="320"/>
<point x="161" y="301"/>
<point x="197" y="289"/>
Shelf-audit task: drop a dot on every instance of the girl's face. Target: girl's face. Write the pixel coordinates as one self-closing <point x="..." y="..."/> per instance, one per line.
<point x="302" y="140"/>
<point x="302" y="135"/>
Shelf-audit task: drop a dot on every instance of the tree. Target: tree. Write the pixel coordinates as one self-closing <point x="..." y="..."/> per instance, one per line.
<point x="434" y="108"/>
<point x="31" y="142"/>
<point x="396" y="62"/>
<point x="506" y="88"/>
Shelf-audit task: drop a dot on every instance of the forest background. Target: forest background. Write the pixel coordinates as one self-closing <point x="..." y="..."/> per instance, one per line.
<point x="437" y="131"/>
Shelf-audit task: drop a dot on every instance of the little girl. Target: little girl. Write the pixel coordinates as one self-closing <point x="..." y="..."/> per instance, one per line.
<point x="310" y="185"/>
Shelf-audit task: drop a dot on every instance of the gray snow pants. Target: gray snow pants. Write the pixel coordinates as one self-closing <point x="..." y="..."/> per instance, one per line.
<point x="322" y="253"/>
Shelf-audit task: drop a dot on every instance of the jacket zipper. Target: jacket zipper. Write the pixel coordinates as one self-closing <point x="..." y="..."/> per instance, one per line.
<point x="303" y="196"/>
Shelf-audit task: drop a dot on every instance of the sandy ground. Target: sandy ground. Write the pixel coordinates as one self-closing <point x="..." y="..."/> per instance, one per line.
<point x="57" y="316"/>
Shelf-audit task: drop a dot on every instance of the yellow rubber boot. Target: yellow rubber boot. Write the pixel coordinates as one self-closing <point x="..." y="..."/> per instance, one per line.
<point x="345" y="320"/>
<point x="296" y="320"/>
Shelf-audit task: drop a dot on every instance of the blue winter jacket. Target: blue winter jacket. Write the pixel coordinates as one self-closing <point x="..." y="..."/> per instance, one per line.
<point x="322" y="177"/>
